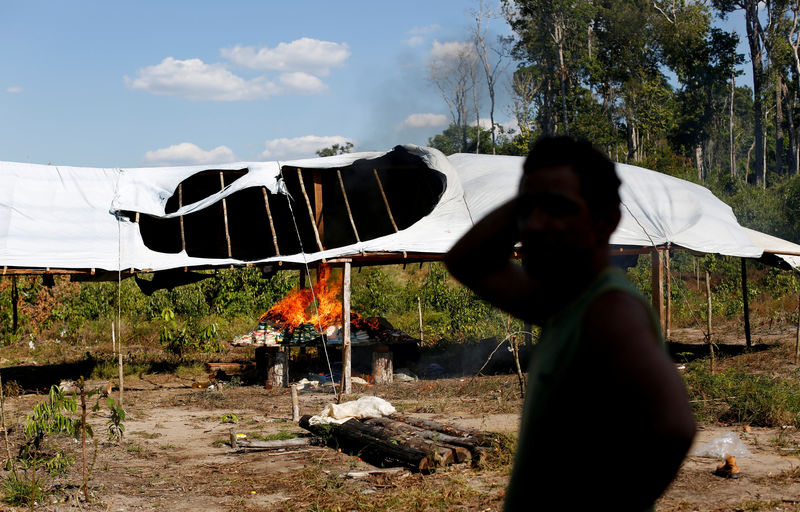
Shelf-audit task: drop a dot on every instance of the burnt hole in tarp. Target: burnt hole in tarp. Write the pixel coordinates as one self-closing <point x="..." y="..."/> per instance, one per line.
<point x="412" y="190"/>
<point x="201" y="185"/>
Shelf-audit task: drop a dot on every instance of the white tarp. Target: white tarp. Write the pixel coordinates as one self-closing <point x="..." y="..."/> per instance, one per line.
<point x="64" y="217"/>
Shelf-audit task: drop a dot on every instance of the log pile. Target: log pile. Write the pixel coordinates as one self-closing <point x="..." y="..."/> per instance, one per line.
<point x="420" y="445"/>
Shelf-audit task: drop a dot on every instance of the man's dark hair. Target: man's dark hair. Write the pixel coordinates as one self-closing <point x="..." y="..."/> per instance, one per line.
<point x="599" y="181"/>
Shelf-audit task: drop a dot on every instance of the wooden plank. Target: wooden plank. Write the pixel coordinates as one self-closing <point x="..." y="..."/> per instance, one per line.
<point x="708" y="322"/>
<point x="310" y="210"/>
<point x="316" y="176"/>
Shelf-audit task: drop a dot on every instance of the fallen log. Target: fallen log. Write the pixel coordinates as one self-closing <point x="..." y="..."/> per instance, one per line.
<point x="373" y="472"/>
<point x="352" y="437"/>
<point x="462" y="450"/>
<point x="442" y="454"/>
<point x="475" y="437"/>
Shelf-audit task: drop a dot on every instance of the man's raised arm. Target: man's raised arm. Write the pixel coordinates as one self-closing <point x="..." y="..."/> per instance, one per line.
<point x="481" y="260"/>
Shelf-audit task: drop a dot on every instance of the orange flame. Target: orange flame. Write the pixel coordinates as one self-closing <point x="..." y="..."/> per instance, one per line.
<point x="297" y="308"/>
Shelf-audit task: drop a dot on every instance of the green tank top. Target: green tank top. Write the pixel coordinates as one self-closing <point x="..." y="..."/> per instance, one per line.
<point x="551" y="361"/>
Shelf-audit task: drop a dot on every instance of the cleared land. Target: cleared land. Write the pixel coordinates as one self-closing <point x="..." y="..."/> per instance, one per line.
<point x="175" y="456"/>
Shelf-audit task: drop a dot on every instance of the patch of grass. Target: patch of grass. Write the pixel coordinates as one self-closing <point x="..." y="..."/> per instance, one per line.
<point x="219" y="443"/>
<point x="229" y="418"/>
<point x="168" y="446"/>
<point x="22" y="489"/>
<point x="735" y="396"/>
<point x="137" y="450"/>
<point x="755" y="506"/>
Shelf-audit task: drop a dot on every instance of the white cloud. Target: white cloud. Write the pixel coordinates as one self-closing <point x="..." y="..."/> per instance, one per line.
<point x="196" y="80"/>
<point x="486" y="123"/>
<point x="302" y="83"/>
<point x="14" y="89"/>
<point x="445" y="52"/>
<point x="304" y="54"/>
<point x="425" y="120"/>
<point x="187" y="153"/>
<point x="299" y="147"/>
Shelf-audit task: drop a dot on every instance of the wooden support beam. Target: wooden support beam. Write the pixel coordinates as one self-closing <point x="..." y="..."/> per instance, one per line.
<point x="709" y="337"/>
<point x="225" y="214"/>
<point x="310" y="210"/>
<point x="346" y="384"/>
<point x="657" y="285"/>
<point x="347" y="205"/>
<point x="316" y="176"/>
<point x="180" y="205"/>
<point x="14" y="307"/>
<point x="746" y="305"/>
<point x="271" y="223"/>
<point x="797" y="340"/>
<point x="668" y="301"/>
<point x="385" y="199"/>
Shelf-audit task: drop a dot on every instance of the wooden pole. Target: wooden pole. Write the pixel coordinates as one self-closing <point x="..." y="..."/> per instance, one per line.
<point x="271" y="223"/>
<point x="419" y="310"/>
<point x="14" y="305"/>
<point x="668" y="302"/>
<point x="180" y="205"/>
<point x="746" y="305"/>
<point x="225" y="214"/>
<point x="797" y="341"/>
<point x="295" y="404"/>
<point x="347" y="205"/>
<point x="119" y="366"/>
<point x="113" y="341"/>
<point x="657" y="285"/>
<point x="346" y="385"/>
<point x="310" y="210"/>
<point x="708" y="321"/>
<point x="385" y="200"/>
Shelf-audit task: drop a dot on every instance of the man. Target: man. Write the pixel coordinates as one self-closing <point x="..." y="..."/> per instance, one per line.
<point x="606" y="421"/>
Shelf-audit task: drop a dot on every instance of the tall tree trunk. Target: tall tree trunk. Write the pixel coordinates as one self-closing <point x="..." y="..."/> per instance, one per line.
<point x="754" y="39"/>
<point x="698" y="157"/>
<point x="731" y="128"/>
<point x="778" y="125"/>
<point x="562" y="71"/>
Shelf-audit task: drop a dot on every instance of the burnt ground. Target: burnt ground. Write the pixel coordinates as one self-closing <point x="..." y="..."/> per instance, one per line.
<point x="174" y="454"/>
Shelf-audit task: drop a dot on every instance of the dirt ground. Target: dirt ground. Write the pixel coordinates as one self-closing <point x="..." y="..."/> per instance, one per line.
<point x="174" y="454"/>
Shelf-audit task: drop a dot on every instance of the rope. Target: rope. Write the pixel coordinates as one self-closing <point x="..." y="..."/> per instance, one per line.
<point x="308" y="276"/>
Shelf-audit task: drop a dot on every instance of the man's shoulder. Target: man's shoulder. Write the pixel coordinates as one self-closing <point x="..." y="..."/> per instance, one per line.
<point x="620" y="318"/>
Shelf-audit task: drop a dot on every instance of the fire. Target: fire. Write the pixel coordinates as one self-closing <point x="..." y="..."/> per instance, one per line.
<point x="298" y="307"/>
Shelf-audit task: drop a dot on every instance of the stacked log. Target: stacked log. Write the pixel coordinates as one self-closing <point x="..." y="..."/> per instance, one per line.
<point x="416" y="444"/>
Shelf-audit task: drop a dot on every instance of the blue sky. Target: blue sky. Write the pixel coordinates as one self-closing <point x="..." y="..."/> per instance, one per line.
<point x="123" y="84"/>
<point x="127" y="84"/>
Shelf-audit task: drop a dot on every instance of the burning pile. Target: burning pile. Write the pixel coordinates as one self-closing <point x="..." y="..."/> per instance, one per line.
<point x="297" y="317"/>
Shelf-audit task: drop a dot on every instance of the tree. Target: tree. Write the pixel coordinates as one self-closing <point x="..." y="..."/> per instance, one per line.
<point x="335" y="149"/>
<point x="492" y="70"/>
<point x="755" y="38"/>
<point x="452" y="71"/>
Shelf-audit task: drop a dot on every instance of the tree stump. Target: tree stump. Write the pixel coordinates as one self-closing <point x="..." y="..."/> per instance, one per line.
<point x="277" y="370"/>
<point x="382" y="368"/>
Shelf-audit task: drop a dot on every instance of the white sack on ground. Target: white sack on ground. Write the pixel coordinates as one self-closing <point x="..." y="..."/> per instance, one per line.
<point x="364" y="407"/>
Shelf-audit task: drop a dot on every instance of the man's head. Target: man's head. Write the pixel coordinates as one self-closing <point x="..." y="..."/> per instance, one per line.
<point x="568" y="206"/>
